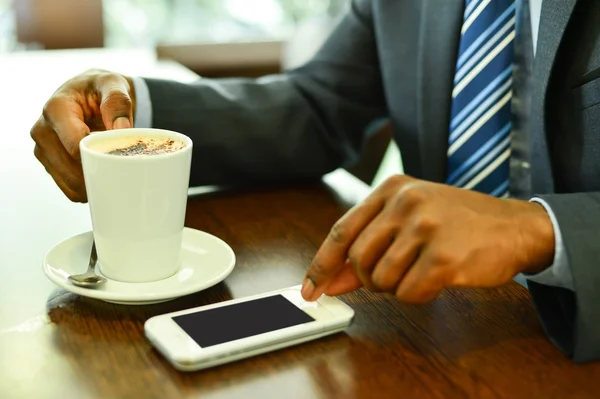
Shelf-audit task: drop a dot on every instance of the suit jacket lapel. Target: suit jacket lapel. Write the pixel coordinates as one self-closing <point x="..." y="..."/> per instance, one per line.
<point x="555" y="17"/>
<point x="440" y="35"/>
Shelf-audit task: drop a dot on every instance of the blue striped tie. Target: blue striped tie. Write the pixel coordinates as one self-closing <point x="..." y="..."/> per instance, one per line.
<point x="479" y="141"/>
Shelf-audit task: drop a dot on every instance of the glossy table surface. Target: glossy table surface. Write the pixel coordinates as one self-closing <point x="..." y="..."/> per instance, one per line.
<point x="53" y="344"/>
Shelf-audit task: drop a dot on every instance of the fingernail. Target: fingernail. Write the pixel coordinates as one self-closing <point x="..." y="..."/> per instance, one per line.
<point x="121" y="123"/>
<point x="308" y="288"/>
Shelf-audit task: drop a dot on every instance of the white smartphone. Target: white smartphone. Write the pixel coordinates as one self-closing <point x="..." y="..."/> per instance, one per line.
<point x="211" y="335"/>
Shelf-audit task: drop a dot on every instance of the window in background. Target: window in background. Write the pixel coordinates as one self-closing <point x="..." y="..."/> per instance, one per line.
<point x="146" y="23"/>
<point x="7" y="26"/>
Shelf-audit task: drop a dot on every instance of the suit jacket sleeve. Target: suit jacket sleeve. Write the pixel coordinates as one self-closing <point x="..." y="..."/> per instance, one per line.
<point x="572" y="318"/>
<point x="297" y="125"/>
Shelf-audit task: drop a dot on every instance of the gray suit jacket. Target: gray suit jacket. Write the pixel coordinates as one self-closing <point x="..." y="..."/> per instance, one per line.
<point x="396" y="59"/>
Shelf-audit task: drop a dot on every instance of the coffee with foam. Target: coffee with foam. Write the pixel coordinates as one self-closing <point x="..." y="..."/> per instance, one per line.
<point x="137" y="184"/>
<point x="128" y="146"/>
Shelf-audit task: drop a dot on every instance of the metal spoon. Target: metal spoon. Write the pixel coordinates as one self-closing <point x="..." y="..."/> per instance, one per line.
<point x="89" y="279"/>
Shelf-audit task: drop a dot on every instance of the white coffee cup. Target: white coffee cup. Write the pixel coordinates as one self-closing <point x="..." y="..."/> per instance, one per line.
<point x="137" y="204"/>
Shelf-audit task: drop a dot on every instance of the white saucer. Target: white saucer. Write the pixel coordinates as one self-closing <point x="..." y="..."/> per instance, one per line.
<point x="206" y="261"/>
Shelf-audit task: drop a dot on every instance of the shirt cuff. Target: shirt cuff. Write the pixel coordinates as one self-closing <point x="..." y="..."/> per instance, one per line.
<point x="143" y="104"/>
<point x="559" y="274"/>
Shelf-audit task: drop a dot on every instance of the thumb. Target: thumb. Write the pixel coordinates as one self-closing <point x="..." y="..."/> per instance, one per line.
<point x="122" y="123"/>
<point x="116" y="106"/>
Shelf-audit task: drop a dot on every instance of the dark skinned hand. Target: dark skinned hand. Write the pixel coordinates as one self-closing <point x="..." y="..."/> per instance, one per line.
<point x="414" y="238"/>
<point x="93" y="101"/>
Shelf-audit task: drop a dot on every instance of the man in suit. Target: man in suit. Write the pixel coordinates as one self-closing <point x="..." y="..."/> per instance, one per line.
<point x="488" y="99"/>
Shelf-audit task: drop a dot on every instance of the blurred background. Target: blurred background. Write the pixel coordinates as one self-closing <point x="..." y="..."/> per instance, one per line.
<point x="211" y="38"/>
<point x="275" y="32"/>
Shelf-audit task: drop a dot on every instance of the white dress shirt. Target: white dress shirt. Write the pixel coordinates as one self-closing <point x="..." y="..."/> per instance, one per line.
<point x="559" y="274"/>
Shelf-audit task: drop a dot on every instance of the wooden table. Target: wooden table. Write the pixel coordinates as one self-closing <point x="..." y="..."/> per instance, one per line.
<point x="53" y="344"/>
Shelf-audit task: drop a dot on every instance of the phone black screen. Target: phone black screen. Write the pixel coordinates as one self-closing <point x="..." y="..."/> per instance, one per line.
<point x="241" y="320"/>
